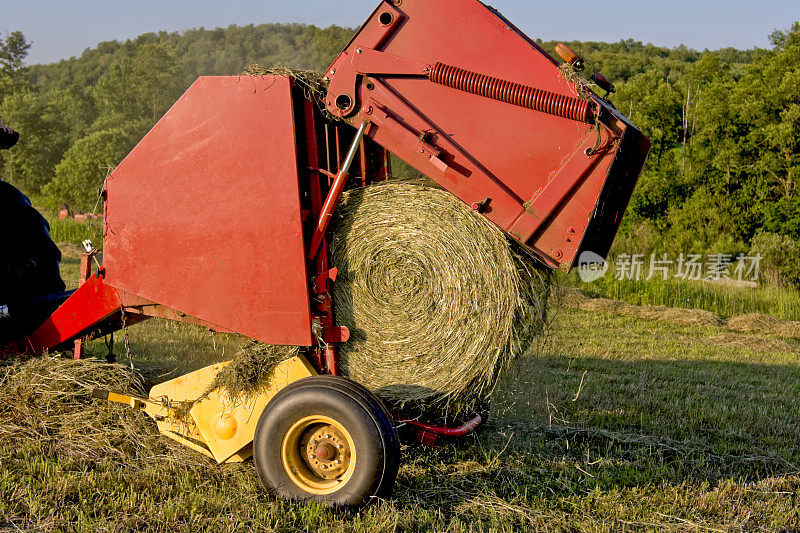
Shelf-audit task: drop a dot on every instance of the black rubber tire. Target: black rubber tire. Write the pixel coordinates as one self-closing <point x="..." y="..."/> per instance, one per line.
<point x="359" y="411"/>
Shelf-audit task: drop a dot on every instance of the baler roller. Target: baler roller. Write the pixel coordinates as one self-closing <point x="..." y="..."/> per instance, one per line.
<point x="512" y="93"/>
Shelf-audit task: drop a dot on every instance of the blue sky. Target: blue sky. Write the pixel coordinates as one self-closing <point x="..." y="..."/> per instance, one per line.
<point x="60" y="28"/>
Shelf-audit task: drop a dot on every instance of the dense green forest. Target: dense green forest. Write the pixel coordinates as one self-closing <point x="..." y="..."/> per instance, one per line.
<point x="722" y="175"/>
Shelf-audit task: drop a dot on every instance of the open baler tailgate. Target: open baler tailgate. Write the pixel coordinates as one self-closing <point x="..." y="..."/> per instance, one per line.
<point x="464" y="97"/>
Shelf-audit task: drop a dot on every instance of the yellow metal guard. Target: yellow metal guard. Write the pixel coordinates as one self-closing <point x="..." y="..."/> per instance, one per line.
<point x="218" y="426"/>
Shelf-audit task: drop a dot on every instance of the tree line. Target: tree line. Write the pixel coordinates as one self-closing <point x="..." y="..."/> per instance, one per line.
<point x="725" y="124"/>
<point x="79" y="117"/>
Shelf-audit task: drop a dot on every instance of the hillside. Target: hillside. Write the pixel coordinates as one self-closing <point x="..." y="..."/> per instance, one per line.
<point x="725" y="124"/>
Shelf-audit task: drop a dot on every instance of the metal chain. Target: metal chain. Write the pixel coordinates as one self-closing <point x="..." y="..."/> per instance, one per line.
<point x="125" y="338"/>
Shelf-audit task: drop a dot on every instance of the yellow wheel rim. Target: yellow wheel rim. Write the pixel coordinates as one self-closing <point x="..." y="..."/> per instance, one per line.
<point x="318" y="454"/>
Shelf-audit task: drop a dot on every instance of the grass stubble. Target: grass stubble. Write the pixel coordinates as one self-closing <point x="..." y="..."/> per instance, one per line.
<point x="618" y="423"/>
<point x="626" y="419"/>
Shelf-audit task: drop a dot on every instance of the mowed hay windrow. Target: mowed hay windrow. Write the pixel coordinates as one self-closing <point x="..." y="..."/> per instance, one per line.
<point x="764" y="324"/>
<point x="436" y="298"/>
<point x="46" y="403"/>
<point x="687" y="317"/>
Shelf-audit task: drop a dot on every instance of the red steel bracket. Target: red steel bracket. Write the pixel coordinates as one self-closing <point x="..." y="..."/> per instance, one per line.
<point x="320" y="282"/>
<point x="90" y="305"/>
<point x="336" y="334"/>
<point x="428" y="434"/>
<point x="84" y="274"/>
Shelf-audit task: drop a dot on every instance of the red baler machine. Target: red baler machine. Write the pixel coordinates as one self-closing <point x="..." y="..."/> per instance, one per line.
<point x="218" y="216"/>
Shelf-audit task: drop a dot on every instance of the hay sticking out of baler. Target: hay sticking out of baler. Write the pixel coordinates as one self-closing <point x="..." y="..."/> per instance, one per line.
<point x="314" y="85"/>
<point x="46" y="404"/>
<point x="438" y="301"/>
<point x="568" y="72"/>
<point x="249" y="370"/>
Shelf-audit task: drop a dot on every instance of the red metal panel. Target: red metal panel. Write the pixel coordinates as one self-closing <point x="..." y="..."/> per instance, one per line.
<point x="91" y="304"/>
<point x="474" y="145"/>
<point x="204" y="216"/>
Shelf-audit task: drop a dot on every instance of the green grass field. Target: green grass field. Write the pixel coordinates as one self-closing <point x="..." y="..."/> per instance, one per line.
<point x="721" y="299"/>
<point x="616" y="423"/>
<point x="75" y="232"/>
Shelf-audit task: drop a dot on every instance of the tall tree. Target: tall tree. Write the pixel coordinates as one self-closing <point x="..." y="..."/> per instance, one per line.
<point x="81" y="173"/>
<point x="137" y="90"/>
<point x="45" y="136"/>
<point x="13" y="50"/>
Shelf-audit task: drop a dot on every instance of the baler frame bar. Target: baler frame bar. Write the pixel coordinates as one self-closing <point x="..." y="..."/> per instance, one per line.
<point x="335" y="192"/>
<point x="375" y="63"/>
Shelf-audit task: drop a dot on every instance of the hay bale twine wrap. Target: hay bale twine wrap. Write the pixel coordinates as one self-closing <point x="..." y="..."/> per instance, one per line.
<point x="436" y="298"/>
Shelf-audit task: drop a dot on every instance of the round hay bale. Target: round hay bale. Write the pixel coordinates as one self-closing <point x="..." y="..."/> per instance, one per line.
<point x="436" y="298"/>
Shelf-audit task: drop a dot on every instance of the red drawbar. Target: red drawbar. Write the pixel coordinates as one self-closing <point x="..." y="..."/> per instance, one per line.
<point x="428" y="434"/>
<point x="90" y="305"/>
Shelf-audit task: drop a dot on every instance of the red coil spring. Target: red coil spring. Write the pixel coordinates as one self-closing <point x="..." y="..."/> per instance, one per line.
<point x="512" y="93"/>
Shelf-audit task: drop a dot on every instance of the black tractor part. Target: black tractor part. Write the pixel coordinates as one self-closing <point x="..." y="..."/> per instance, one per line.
<point x="30" y="282"/>
<point x="8" y="137"/>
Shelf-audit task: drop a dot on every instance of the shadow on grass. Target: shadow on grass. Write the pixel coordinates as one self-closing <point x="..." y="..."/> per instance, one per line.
<point x="616" y="428"/>
<point x="566" y="428"/>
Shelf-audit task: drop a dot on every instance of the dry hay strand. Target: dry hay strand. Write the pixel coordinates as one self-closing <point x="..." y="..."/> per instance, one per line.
<point x="568" y="72"/>
<point x="687" y="317"/>
<point x="764" y="324"/>
<point x="46" y="404"/>
<point x="314" y="85"/>
<point x="436" y="298"/>
<point x="249" y="370"/>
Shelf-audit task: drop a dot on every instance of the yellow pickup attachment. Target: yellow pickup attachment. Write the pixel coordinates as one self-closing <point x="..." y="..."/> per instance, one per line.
<point x="218" y="426"/>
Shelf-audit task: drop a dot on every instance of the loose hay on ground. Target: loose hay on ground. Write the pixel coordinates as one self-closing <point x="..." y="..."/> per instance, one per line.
<point x="436" y="298"/>
<point x="759" y="323"/>
<point x="687" y="317"/>
<point x="749" y="323"/>
<point x="751" y="342"/>
<point x="46" y="404"/>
